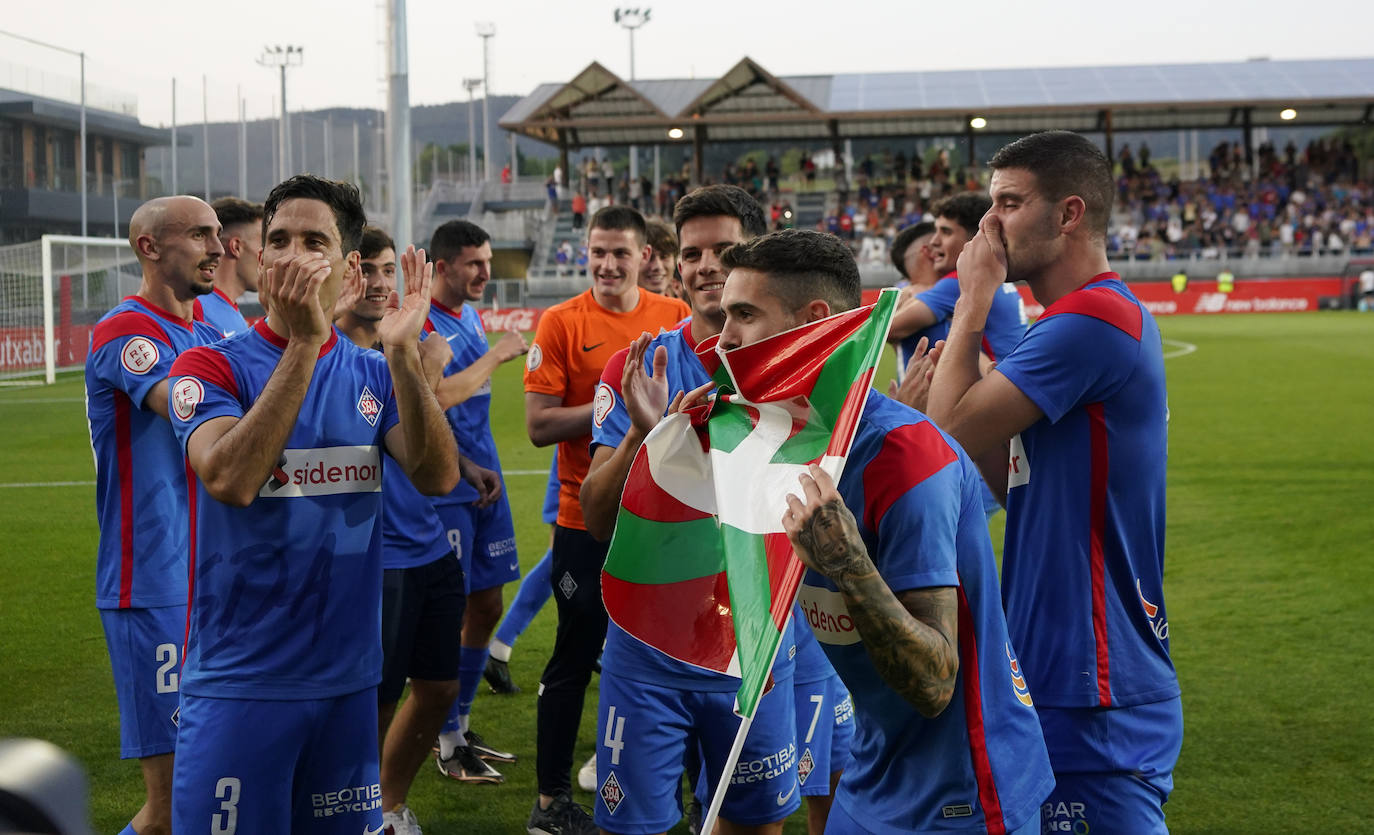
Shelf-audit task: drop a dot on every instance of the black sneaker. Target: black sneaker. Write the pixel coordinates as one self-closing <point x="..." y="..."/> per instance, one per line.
<point x="562" y="817"/>
<point x="694" y="816"/>
<point x="485" y="751"/>
<point x="498" y="678"/>
<point x="466" y="766"/>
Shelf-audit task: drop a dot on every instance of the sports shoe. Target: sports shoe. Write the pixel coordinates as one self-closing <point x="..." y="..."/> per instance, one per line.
<point x="563" y="817"/>
<point x="466" y="766"/>
<point x="586" y="776"/>
<point x="498" y="678"/>
<point x="400" y="821"/>
<point x="694" y="816"/>
<point x="485" y="751"/>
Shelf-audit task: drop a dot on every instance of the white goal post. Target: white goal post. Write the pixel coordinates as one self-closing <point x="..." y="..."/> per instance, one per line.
<point x="52" y="292"/>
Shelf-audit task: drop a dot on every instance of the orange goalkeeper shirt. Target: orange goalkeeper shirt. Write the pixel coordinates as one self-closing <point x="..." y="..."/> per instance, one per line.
<point x="574" y="341"/>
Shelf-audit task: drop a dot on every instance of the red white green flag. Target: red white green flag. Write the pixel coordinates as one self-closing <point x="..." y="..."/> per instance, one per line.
<point x="699" y="567"/>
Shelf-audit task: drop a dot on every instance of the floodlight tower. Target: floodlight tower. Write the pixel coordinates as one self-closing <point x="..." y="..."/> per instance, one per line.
<point x="486" y="31"/>
<point x="283" y="57"/>
<point x="471" y="84"/>
<point x="630" y="20"/>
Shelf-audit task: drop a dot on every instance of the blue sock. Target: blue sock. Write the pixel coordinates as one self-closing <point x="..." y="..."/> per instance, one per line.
<point x="535" y="590"/>
<point x="129" y="830"/>
<point x="471" y="662"/>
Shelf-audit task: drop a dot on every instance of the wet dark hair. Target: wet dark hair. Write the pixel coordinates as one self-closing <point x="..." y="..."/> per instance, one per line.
<point x="451" y="238"/>
<point x="1065" y="164"/>
<point x="374" y="240"/>
<point x="234" y="211"/>
<point x="965" y="208"/>
<point x="717" y="201"/>
<point x="341" y="198"/>
<point x="801" y="265"/>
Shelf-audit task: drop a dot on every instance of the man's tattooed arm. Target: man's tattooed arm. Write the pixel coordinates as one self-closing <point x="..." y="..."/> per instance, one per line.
<point x="912" y="639"/>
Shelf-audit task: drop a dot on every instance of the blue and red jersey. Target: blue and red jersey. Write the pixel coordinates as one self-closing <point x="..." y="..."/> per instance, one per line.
<point x="285" y="599"/>
<point x="221" y="312"/>
<point x="981" y="764"/>
<point x="1005" y="326"/>
<point x="471" y="419"/>
<point x="1083" y="567"/>
<point x="140" y="472"/>
<point x="626" y="655"/>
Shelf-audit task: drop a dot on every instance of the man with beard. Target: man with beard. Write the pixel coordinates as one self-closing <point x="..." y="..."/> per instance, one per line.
<point x="1071" y="427"/>
<point x="141" y="482"/>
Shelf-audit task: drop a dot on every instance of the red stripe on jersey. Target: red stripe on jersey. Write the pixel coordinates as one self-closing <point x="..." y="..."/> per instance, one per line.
<point x="1104" y="304"/>
<point x="615" y="369"/>
<point x="207" y="365"/>
<point x="124" y="456"/>
<point x="429" y="327"/>
<point x="197" y="311"/>
<point x="265" y="331"/>
<point x="987" y="349"/>
<point x="440" y="306"/>
<point x="1097" y="518"/>
<point x="973" y="718"/>
<point x="192" y="488"/>
<point x="910" y="454"/>
<point x="162" y="312"/>
<point x="225" y="296"/>
<point x="127" y="323"/>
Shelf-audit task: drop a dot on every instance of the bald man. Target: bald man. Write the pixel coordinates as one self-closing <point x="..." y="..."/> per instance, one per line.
<point x="141" y="565"/>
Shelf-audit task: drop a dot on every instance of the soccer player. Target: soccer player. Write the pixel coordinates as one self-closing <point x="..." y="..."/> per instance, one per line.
<point x="241" y="235"/>
<point x="902" y="588"/>
<point x="927" y="315"/>
<point x="659" y="271"/>
<point x="422" y="579"/>
<point x="535" y="590"/>
<point x="141" y="482"/>
<point x="654" y="709"/>
<point x="284" y="426"/>
<point x="572" y="344"/>
<point x="1072" y="427"/>
<point x="476" y="514"/>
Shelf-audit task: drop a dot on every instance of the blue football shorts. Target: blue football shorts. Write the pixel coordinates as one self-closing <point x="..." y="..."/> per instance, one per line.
<point x="550" y="511"/>
<point x="485" y="540"/>
<point x="1113" y="769"/>
<point x="841" y="823"/>
<point x="251" y="766"/>
<point x="643" y="732"/>
<point x="825" y="729"/>
<point x="145" y="656"/>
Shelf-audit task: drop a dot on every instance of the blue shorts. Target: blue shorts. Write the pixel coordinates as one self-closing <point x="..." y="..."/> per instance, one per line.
<point x="278" y="766"/>
<point x="1120" y="802"/>
<point x="485" y="540"/>
<point x="825" y="728"/>
<point x="1113" y="769"/>
<point x="145" y="657"/>
<point x="550" y="511"/>
<point x="643" y="732"/>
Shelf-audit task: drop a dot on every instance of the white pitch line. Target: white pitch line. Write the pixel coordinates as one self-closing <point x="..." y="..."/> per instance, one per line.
<point x="48" y="484"/>
<point x="1184" y="348"/>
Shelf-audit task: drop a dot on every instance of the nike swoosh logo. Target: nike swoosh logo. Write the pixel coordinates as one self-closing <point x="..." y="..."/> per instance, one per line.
<point x="783" y="798"/>
<point x="367" y="830"/>
<point x="592" y="347"/>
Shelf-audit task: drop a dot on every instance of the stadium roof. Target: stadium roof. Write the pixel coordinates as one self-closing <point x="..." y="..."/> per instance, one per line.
<point x="29" y="108"/>
<point x="597" y="107"/>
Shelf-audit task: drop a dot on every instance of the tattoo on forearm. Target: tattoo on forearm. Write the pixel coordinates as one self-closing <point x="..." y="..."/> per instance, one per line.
<point x="911" y="641"/>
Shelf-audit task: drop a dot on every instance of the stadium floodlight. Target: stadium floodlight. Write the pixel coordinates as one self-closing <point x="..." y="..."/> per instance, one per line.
<point x="471" y="84"/>
<point x="674" y="133"/>
<point x="1288" y="114"/>
<point x="630" y="20"/>
<point x="486" y="30"/>
<point x="283" y="57"/>
<point x="977" y="123"/>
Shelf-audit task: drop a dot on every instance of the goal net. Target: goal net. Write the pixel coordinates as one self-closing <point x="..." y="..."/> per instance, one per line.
<point x="52" y="292"/>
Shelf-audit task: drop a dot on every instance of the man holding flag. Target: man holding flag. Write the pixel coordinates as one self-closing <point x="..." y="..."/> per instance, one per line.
<point x="655" y="707"/>
<point x="903" y="591"/>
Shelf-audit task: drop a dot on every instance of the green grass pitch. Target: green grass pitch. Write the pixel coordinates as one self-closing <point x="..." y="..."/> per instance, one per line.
<point x="1270" y="591"/>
